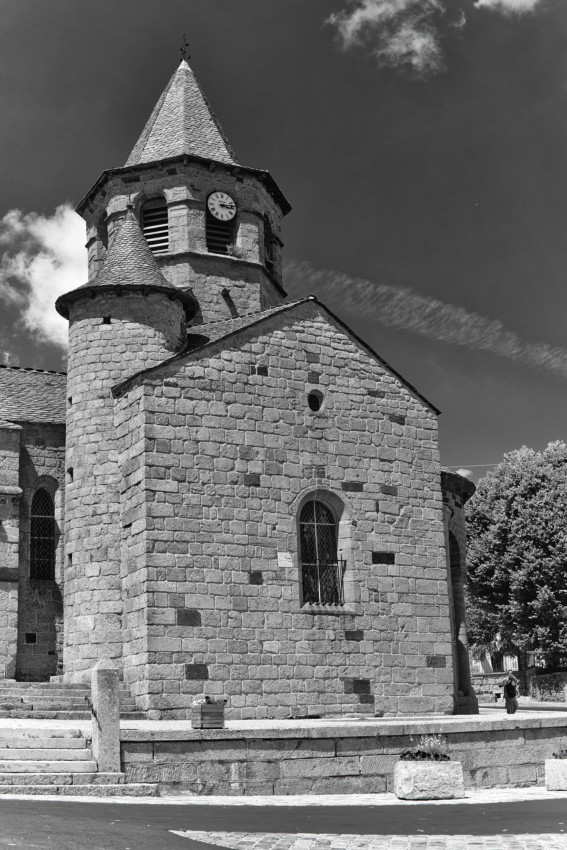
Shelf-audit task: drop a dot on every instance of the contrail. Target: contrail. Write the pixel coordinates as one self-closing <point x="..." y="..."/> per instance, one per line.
<point x="400" y="307"/>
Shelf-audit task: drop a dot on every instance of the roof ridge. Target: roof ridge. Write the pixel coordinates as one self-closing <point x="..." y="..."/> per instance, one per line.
<point x="248" y="315"/>
<point x="32" y="369"/>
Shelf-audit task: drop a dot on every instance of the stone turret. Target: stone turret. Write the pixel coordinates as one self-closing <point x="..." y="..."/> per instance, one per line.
<point x="231" y="267"/>
<point x="125" y="318"/>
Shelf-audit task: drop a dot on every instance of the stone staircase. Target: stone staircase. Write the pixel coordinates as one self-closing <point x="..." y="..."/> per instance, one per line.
<point x="44" y="759"/>
<point x="55" y="758"/>
<point x="55" y="701"/>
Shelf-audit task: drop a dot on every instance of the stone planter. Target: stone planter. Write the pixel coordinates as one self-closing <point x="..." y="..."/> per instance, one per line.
<point x="429" y="780"/>
<point x="556" y="774"/>
<point x="207" y="716"/>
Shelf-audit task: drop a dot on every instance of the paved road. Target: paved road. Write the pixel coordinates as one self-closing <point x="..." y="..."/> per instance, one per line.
<point x="41" y="825"/>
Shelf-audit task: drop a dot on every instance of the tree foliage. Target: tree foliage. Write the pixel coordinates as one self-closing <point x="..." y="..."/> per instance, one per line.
<point x="517" y="555"/>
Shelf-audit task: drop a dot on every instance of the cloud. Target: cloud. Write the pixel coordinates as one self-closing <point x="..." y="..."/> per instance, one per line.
<point x="400" y="307"/>
<point x="400" y="33"/>
<point x="509" y="7"/>
<point x="460" y="22"/>
<point x="407" y="35"/>
<point x="466" y="473"/>
<point x="44" y="257"/>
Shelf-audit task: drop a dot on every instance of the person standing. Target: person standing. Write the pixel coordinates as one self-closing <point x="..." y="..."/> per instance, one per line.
<point x="511" y="694"/>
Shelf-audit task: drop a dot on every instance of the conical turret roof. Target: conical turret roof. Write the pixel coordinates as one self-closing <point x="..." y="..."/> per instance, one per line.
<point x="129" y="259"/>
<point x="129" y="264"/>
<point x="182" y="122"/>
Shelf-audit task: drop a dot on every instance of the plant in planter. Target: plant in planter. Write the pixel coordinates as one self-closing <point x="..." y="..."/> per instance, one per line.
<point x="556" y="772"/>
<point x="208" y="712"/>
<point x="425" y="772"/>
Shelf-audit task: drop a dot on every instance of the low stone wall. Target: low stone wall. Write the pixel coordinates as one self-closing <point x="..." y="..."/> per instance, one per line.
<point x="340" y="757"/>
<point x="549" y="687"/>
<point x="486" y="684"/>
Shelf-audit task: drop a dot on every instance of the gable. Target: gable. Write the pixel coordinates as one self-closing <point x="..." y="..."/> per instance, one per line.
<point x="304" y="316"/>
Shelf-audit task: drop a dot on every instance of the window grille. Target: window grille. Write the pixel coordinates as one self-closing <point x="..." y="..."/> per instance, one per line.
<point x="155" y="225"/>
<point x="219" y="234"/>
<point x="322" y="570"/>
<point x="42" y="537"/>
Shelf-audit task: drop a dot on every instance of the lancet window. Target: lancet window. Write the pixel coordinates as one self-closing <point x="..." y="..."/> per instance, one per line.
<point x="42" y="536"/>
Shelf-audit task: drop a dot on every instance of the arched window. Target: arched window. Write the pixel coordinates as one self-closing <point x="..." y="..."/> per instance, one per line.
<point x="155" y="226"/>
<point x="42" y="537"/>
<point x="321" y="569"/>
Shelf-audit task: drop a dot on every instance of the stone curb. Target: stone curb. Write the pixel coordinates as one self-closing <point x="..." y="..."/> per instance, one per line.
<point x="491" y="796"/>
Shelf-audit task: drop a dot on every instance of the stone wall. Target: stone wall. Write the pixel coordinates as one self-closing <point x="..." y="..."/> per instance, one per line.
<point x="326" y="758"/>
<point x="487" y="684"/>
<point x="10" y="493"/>
<point x="227" y="451"/>
<point x="40" y="602"/>
<point x="548" y="687"/>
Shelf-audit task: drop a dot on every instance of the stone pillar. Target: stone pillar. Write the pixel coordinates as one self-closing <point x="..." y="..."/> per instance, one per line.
<point x="106" y="715"/>
<point x="459" y="608"/>
<point x="456" y="492"/>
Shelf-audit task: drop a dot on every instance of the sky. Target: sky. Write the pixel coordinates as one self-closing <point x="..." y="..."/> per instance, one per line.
<point x="421" y="143"/>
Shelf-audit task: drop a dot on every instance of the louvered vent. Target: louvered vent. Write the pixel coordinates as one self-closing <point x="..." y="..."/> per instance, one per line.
<point x="219" y="235"/>
<point x="155" y="226"/>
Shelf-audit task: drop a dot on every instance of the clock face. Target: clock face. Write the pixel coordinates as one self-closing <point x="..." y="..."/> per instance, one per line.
<point x="221" y="206"/>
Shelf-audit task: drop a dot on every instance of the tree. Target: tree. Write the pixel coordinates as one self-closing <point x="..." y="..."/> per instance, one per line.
<point x="517" y="555"/>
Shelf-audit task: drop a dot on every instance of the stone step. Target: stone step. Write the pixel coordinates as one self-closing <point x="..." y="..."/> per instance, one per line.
<point x="9" y="687"/>
<point x="44" y="731"/>
<point x="36" y="754"/>
<point x="21" y="741"/>
<point x="71" y="686"/>
<point x="55" y="704"/>
<point x="35" y="688"/>
<point x="42" y="705"/>
<point x="61" y="778"/>
<point x="38" y="766"/>
<point x="23" y="714"/>
<point x="130" y="790"/>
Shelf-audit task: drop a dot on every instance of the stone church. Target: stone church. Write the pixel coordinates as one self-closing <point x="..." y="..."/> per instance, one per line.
<point x="229" y="493"/>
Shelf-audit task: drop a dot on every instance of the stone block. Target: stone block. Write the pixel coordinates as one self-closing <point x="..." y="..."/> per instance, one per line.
<point x="299" y="748"/>
<point x="428" y="780"/>
<point x="196" y="671"/>
<point x="303" y="768"/>
<point x="377" y="765"/>
<point x="132" y="751"/>
<point x="197" y="751"/>
<point x="556" y="774"/>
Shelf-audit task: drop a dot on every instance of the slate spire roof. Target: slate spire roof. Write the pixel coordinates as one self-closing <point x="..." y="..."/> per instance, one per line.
<point x="182" y="122"/>
<point x="128" y="264"/>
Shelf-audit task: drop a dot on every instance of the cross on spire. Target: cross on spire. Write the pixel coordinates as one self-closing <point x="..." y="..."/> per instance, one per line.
<point x="184" y="48"/>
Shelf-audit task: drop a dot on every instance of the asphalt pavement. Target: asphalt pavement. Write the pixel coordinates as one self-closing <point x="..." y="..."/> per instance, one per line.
<point x="35" y="824"/>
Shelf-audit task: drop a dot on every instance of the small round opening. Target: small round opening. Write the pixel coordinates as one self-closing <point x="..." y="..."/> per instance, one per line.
<point x="315" y="400"/>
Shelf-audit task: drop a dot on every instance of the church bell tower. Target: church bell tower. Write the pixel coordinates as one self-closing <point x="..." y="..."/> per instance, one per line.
<point x="213" y="224"/>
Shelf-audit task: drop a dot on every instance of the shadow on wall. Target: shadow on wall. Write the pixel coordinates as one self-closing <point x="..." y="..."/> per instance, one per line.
<point x="40" y="631"/>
